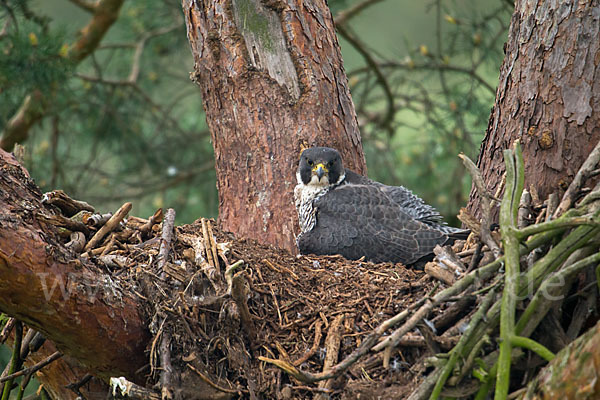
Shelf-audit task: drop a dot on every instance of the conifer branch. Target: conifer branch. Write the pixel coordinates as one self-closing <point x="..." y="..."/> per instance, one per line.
<point x="35" y="105"/>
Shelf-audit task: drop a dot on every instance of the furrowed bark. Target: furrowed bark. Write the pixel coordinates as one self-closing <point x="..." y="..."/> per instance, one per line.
<point x="548" y="95"/>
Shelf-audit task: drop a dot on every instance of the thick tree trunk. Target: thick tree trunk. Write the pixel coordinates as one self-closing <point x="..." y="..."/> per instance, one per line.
<point x="272" y="82"/>
<point x="548" y="95"/>
<point x="81" y="309"/>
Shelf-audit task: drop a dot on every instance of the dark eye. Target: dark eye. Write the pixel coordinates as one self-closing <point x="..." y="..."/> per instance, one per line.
<point x="309" y="162"/>
<point x="330" y="164"/>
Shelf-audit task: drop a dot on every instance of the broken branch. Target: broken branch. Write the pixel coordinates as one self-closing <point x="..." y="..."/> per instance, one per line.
<point x="111" y="225"/>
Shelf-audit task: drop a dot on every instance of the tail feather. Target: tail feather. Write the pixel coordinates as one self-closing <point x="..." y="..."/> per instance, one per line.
<point x="456" y="233"/>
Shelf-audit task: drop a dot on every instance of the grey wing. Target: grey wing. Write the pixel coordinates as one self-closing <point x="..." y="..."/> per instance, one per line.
<point x="361" y="220"/>
<point x="418" y="209"/>
<point x="411" y="204"/>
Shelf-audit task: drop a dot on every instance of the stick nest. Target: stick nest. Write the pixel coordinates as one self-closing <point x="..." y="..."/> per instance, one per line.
<point x="294" y="303"/>
<point x="231" y="318"/>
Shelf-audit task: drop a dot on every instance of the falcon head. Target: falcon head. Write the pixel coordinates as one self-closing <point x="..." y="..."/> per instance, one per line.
<point x="320" y="166"/>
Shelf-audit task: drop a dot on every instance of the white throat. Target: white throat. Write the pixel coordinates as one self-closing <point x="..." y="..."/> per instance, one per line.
<point x="305" y="196"/>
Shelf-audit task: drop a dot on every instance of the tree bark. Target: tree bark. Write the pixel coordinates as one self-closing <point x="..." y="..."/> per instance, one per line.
<point x="272" y="84"/>
<point x="548" y="95"/>
<point x="80" y="308"/>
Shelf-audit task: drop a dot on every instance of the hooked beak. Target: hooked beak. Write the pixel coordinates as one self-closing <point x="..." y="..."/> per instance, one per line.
<point x="320" y="170"/>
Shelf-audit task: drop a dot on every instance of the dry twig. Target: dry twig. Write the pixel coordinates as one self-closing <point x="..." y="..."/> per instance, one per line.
<point x="211" y="383"/>
<point x="111" y="225"/>
<point x="34" y="368"/>
<point x="572" y="191"/>
<point x="332" y="348"/>
<point x="165" y="242"/>
<point x="487" y="202"/>
<point x="239" y="295"/>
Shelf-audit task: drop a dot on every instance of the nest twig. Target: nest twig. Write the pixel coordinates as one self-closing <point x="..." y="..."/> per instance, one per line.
<point x="269" y="324"/>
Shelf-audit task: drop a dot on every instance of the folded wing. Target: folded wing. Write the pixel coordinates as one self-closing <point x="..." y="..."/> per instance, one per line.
<point x="357" y="220"/>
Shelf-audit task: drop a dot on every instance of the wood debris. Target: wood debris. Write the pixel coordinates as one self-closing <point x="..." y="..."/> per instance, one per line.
<point x="234" y="318"/>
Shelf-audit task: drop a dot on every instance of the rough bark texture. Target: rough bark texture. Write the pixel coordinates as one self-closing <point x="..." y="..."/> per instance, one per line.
<point x="78" y="307"/>
<point x="273" y="83"/>
<point x="548" y="95"/>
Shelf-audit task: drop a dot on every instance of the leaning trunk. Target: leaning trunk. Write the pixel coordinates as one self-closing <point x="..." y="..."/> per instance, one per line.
<point x="548" y="95"/>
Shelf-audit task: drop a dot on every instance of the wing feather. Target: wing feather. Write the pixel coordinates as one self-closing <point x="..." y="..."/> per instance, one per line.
<point x="363" y="220"/>
<point x="412" y="204"/>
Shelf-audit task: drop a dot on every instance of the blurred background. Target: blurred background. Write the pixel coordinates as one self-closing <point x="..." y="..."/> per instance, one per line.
<point x="126" y="123"/>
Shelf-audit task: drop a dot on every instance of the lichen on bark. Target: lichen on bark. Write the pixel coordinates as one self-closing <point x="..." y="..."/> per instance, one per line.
<point x="266" y="43"/>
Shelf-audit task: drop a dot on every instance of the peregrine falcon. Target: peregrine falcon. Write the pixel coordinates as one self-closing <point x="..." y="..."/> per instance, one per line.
<point x="342" y="212"/>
